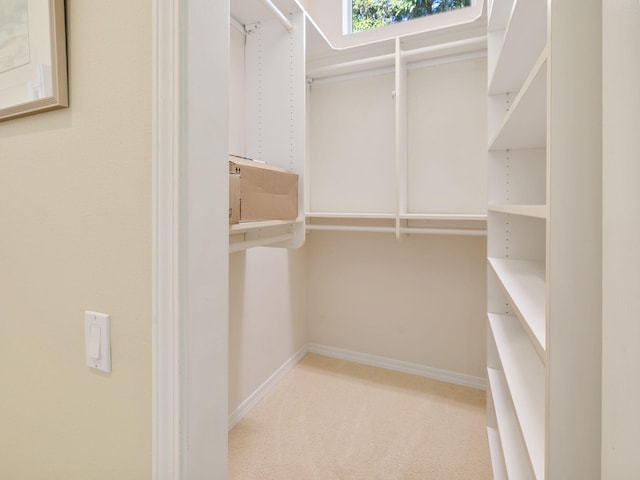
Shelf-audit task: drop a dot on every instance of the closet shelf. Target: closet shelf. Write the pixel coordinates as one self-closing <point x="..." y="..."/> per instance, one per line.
<point x="525" y="376"/>
<point x="515" y="455"/>
<point x="277" y="233"/>
<point x="479" y="217"/>
<point x="524" y="126"/>
<point x="443" y="224"/>
<point x="350" y="215"/>
<point x="250" y="226"/>
<point x="524" y="282"/>
<point x="524" y="38"/>
<point x="537" y="211"/>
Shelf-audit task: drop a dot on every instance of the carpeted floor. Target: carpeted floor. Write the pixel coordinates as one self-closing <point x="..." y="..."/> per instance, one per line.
<point x="333" y="419"/>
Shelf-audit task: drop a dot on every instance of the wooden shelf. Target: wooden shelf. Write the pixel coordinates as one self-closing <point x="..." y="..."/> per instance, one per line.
<point x="525" y="125"/>
<point x="515" y="454"/>
<point x="497" y="460"/>
<point x="536" y="211"/>
<point x="524" y="38"/>
<point x="524" y="282"/>
<point x="525" y="376"/>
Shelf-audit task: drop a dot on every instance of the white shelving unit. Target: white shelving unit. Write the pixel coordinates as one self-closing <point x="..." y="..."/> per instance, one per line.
<point x="543" y="416"/>
<point x="274" y="102"/>
<point x="285" y="48"/>
<point x="369" y="171"/>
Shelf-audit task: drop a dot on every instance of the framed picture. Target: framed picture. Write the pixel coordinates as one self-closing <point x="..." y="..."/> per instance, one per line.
<point x="33" y="57"/>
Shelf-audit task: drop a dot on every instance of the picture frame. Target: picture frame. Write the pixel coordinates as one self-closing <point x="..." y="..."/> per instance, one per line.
<point x="33" y="57"/>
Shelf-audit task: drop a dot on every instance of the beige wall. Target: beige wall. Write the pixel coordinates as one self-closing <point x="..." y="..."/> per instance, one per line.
<point x="419" y="300"/>
<point x="75" y="211"/>
<point x="267" y="312"/>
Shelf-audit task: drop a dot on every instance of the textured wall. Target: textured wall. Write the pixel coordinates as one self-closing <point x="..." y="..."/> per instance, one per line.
<point x="75" y="210"/>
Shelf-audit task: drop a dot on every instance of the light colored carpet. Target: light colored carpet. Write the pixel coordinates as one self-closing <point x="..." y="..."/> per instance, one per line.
<point x="333" y="419"/>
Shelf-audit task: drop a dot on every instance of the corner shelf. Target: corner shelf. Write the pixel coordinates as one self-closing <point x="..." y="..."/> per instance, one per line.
<point x="280" y="233"/>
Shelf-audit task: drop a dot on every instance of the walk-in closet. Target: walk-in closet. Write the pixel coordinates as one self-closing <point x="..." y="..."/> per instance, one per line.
<point x="443" y="174"/>
<point x="385" y="263"/>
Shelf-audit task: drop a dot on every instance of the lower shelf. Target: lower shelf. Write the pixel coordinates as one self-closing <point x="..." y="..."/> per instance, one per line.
<point x="497" y="459"/>
<point x="273" y="233"/>
<point x="514" y="451"/>
<point x="403" y="224"/>
<point x="525" y="377"/>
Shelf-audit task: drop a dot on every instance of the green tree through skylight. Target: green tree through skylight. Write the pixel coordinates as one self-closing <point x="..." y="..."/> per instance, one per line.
<point x="376" y="13"/>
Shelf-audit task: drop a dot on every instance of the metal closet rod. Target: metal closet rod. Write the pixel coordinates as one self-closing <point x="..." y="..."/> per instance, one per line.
<point x="279" y="15"/>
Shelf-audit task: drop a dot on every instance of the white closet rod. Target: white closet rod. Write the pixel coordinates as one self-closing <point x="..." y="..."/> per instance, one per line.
<point x="279" y="15"/>
<point x="389" y="59"/>
<point x="479" y="42"/>
<point x="430" y="231"/>
<point x="329" y="70"/>
<point x="237" y="247"/>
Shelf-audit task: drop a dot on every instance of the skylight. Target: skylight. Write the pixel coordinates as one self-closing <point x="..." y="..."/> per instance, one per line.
<point x="368" y="14"/>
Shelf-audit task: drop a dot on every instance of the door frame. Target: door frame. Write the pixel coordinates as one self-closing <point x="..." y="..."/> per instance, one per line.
<point x="190" y="239"/>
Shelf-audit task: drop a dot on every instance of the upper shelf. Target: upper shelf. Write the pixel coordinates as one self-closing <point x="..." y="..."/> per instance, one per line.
<point x="525" y="125"/>
<point x="499" y="13"/>
<point x="332" y="53"/>
<point x="248" y="12"/>
<point x="524" y="38"/>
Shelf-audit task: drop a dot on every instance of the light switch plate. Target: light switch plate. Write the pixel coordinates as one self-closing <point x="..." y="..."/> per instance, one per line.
<point x="97" y="334"/>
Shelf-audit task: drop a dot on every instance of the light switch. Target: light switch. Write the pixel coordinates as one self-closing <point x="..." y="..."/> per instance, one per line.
<point x="97" y="331"/>
<point x="94" y="341"/>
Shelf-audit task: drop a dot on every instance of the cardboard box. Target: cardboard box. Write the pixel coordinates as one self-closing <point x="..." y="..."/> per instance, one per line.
<point x="266" y="192"/>
<point x="234" y="198"/>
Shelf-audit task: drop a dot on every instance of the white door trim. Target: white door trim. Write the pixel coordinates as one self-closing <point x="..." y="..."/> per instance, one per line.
<point x="165" y="309"/>
<point x="190" y="239"/>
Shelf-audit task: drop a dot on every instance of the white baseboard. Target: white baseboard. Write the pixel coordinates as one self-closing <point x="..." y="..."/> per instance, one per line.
<point x="400" y="366"/>
<point x="244" y="408"/>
